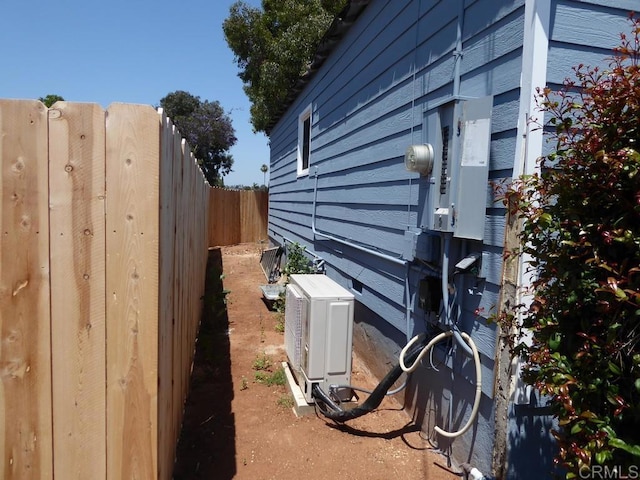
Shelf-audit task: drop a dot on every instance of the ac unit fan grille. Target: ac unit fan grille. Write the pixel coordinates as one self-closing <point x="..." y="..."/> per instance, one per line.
<point x="293" y="318"/>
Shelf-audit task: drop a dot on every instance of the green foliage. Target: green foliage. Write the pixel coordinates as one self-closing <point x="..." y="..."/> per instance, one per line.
<point x="581" y="230"/>
<point x="262" y="362"/>
<point x="50" y="99"/>
<point x="278" y="377"/>
<point x="297" y="261"/>
<point x="273" y="48"/>
<point x="206" y="128"/>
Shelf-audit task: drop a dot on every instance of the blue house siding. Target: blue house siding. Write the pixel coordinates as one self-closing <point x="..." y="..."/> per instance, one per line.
<point x="368" y="104"/>
<point x="370" y="100"/>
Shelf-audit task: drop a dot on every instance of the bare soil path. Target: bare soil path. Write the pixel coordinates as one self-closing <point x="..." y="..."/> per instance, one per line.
<point x="238" y="427"/>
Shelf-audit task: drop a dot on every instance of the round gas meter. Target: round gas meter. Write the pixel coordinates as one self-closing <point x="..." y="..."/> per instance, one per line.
<point x="419" y="158"/>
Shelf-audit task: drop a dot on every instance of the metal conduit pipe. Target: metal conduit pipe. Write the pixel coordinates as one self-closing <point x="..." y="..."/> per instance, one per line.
<point x="445" y="296"/>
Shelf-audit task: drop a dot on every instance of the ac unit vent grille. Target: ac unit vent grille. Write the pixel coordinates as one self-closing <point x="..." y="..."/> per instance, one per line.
<point x="293" y="317"/>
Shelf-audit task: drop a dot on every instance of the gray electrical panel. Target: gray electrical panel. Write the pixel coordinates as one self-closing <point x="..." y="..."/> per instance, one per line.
<point x="460" y="133"/>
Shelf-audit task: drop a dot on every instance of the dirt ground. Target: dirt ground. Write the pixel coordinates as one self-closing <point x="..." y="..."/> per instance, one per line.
<point x="238" y="427"/>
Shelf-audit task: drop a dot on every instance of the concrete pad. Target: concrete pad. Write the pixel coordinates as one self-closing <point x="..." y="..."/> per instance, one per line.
<point x="300" y="405"/>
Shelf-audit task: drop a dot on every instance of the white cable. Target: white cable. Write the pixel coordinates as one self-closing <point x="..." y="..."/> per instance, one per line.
<point x="476" y="360"/>
<point x="423" y="352"/>
<point x="476" y="401"/>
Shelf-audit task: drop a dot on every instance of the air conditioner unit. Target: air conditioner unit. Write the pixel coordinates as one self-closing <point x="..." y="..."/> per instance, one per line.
<point x="319" y="333"/>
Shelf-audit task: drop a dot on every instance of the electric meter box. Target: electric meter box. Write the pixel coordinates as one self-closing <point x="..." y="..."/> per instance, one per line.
<point x="456" y="200"/>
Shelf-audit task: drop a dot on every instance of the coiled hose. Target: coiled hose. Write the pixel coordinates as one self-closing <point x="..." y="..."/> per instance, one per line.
<point x="332" y="411"/>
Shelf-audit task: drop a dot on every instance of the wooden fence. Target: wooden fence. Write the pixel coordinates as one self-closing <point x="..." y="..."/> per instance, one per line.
<point x="238" y="216"/>
<point x="103" y="249"/>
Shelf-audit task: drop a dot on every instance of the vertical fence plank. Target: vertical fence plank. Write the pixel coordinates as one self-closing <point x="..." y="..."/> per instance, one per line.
<point x="132" y="147"/>
<point x="167" y="426"/>
<point x="25" y="348"/>
<point x="177" y="278"/>
<point x="187" y="272"/>
<point x="253" y="215"/>
<point x="77" y="201"/>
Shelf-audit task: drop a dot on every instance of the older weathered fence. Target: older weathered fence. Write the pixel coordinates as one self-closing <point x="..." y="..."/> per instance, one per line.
<point x="103" y="249"/>
<point x="238" y="216"/>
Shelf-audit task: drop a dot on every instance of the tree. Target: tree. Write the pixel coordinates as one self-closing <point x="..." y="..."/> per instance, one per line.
<point x="581" y="228"/>
<point x="206" y="128"/>
<point x="273" y="48"/>
<point x="50" y="99"/>
<point x="264" y="169"/>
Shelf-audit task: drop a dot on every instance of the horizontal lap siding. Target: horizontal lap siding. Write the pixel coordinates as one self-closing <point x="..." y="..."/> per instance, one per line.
<point x="361" y="125"/>
<point x="570" y="43"/>
<point x="368" y="105"/>
<point x="369" y="101"/>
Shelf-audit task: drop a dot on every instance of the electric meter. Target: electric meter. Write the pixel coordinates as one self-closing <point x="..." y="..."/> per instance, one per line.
<point x="419" y="158"/>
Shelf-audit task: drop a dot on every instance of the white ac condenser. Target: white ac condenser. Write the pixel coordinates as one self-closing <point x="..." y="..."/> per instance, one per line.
<point x="318" y="332"/>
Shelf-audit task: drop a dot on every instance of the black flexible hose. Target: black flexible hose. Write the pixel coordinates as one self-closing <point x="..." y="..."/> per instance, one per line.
<point x="322" y="396"/>
<point x="374" y="400"/>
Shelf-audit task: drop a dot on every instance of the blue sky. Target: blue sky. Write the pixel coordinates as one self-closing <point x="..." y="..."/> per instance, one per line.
<point x="133" y="51"/>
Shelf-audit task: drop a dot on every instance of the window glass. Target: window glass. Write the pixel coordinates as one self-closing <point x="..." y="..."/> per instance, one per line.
<point x="304" y="141"/>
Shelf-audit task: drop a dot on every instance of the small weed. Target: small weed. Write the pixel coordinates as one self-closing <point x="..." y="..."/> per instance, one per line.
<point x="271" y="378"/>
<point x="262" y="377"/>
<point x="244" y="385"/>
<point x="278" y="377"/>
<point x="262" y="362"/>
<point x="285" y="401"/>
<point x="279" y="323"/>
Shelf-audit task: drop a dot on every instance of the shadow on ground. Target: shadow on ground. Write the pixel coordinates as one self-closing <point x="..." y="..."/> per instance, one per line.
<point x="206" y="448"/>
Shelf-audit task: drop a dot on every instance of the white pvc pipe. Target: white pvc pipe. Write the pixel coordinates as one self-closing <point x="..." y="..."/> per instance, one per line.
<point x="476" y="360"/>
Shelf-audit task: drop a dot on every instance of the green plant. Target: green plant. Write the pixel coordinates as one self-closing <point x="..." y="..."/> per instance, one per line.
<point x="581" y="233"/>
<point x="297" y="261"/>
<point x="278" y="377"/>
<point x="261" y="376"/>
<point x="244" y="384"/>
<point x="262" y="362"/>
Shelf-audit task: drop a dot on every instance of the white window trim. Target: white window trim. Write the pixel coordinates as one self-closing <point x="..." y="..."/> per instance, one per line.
<point x="306" y="114"/>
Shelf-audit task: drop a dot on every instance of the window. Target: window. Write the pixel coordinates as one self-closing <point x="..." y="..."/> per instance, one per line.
<point x="304" y="141"/>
